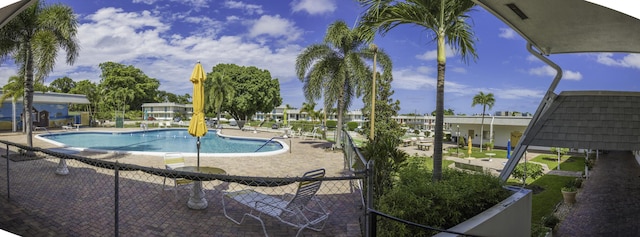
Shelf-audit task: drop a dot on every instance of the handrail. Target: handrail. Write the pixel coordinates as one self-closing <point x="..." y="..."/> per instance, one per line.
<point x="268" y="142"/>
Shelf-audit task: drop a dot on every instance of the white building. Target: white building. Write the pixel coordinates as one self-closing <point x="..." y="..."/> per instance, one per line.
<point x="166" y="111"/>
<point x="499" y="129"/>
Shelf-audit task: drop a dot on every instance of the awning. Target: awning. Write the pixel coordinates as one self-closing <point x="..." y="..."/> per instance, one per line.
<point x="11" y="8"/>
<point x="570" y="26"/>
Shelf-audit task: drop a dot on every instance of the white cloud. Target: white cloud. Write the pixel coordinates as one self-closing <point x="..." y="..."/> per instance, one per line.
<point x="517" y="93"/>
<point x="630" y="60"/>
<point x="148" y="2"/>
<point x="142" y="40"/>
<point x="276" y="27"/>
<point x="549" y="71"/>
<point x="314" y="7"/>
<point x="433" y="54"/>
<point x="6" y="72"/>
<point x="421" y="78"/>
<point x="507" y="33"/>
<point x="247" y="8"/>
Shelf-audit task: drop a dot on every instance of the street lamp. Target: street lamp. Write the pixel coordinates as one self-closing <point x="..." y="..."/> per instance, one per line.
<point x="458" y="139"/>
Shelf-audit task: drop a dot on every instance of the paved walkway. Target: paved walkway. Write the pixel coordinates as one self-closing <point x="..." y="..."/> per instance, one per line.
<point x="607" y="205"/>
<point x="40" y="201"/>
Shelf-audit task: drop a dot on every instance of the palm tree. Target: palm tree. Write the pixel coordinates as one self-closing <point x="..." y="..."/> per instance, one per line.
<point x="32" y="39"/>
<point x="14" y="89"/>
<point x="221" y="91"/>
<point x="485" y="100"/>
<point x="308" y="108"/>
<point x="337" y="69"/>
<point x="445" y="19"/>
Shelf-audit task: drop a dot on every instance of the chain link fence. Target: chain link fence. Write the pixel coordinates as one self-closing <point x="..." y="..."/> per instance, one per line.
<point x="79" y="196"/>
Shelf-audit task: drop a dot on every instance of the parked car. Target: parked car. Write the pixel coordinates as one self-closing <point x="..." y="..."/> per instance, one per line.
<point x="233" y="122"/>
<point x="151" y="118"/>
<point x="274" y="126"/>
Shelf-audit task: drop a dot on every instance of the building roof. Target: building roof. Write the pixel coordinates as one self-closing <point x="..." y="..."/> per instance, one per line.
<point x="497" y="120"/>
<point x="568" y="26"/>
<point x="606" y="120"/>
<point x="56" y="98"/>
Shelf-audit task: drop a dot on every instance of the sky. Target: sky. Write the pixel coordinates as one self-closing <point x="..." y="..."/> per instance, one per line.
<point x="165" y="38"/>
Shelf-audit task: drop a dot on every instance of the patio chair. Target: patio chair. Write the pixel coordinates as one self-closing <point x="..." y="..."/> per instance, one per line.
<point x="311" y="134"/>
<point x="173" y="161"/>
<point x="302" y="210"/>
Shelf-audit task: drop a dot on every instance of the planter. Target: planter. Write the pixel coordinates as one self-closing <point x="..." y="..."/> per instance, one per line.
<point x="569" y="196"/>
<point x="511" y="217"/>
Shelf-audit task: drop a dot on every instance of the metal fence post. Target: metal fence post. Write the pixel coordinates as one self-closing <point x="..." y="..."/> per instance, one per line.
<point x="8" y="187"/>
<point x="116" y="199"/>
<point x="371" y="216"/>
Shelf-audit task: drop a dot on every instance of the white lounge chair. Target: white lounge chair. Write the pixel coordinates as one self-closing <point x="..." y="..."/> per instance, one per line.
<point x="173" y="161"/>
<point x="302" y="210"/>
<point x="311" y="134"/>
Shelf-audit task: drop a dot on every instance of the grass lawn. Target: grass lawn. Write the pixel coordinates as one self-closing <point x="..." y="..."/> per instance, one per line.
<point x="544" y="202"/>
<point x="568" y="163"/>
<point x="475" y="152"/>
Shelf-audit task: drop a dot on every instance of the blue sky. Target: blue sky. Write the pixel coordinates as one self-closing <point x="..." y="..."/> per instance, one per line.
<point x="165" y="38"/>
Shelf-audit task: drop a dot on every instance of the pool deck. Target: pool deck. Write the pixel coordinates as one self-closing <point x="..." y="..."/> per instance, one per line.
<point x="304" y="155"/>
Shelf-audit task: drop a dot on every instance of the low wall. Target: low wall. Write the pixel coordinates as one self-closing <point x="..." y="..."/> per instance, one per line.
<point x="511" y="217"/>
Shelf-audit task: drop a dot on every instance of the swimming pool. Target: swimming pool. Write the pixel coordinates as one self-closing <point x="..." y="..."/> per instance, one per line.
<point x="158" y="142"/>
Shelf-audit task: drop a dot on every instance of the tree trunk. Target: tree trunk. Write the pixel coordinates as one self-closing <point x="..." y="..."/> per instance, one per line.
<point x="482" y="127"/>
<point x="439" y="126"/>
<point x="28" y="92"/>
<point x="340" y="119"/>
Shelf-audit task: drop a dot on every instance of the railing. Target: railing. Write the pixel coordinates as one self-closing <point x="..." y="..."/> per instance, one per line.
<point x="68" y="194"/>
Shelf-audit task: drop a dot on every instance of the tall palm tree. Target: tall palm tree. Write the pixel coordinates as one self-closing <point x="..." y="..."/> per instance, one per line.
<point x="308" y="108"/>
<point x="33" y="39"/>
<point x="445" y="19"/>
<point x="14" y="89"/>
<point x="337" y="68"/>
<point x="485" y="100"/>
<point x="221" y="91"/>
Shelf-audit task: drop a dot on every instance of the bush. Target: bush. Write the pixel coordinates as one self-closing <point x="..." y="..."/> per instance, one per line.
<point x="332" y="123"/>
<point x="550" y="220"/>
<point x="444" y="204"/>
<point x="427" y="133"/>
<point x="447" y="137"/>
<point x="488" y="145"/>
<point x="532" y="171"/>
<point x="351" y="126"/>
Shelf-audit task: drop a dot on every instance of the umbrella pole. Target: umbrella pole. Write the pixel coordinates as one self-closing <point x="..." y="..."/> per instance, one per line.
<point x="198" y="147"/>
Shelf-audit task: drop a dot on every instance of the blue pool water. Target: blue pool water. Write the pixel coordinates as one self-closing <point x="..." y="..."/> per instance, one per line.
<point x="168" y="140"/>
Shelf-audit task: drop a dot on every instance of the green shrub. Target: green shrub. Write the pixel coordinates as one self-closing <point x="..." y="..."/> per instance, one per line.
<point x="447" y="137"/>
<point x="427" y="133"/>
<point x="550" y="220"/>
<point x="351" y="126"/>
<point x="532" y="170"/>
<point x="332" y="123"/>
<point x="444" y="204"/>
<point x="563" y="151"/>
<point x="488" y="145"/>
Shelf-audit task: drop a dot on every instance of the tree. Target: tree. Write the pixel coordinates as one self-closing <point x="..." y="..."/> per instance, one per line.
<point x="485" y="100"/>
<point x="89" y="89"/>
<point x="125" y="87"/>
<point x="14" y="89"/>
<point x="336" y="67"/>
<point x="221" y="90"/>
<point x="255" y="91"/>
<point x="62" y="85"/>
<point x="445" y="19"/>
<point x="33" y="39"/>
<point x="448" y="111"/>
<point x="383" y="148"/>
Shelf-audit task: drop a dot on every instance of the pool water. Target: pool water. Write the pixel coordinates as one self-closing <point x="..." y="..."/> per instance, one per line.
<point x="168" y="140"/>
